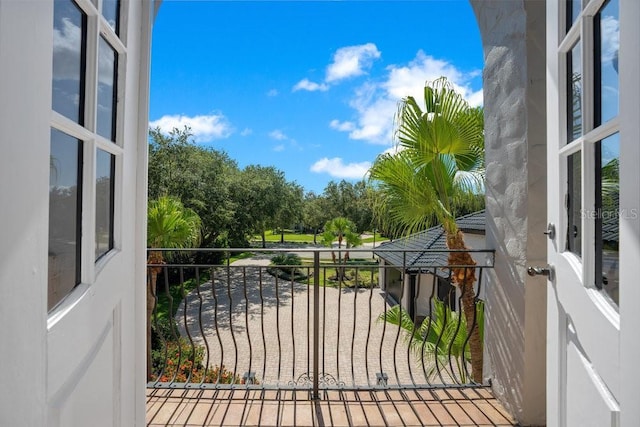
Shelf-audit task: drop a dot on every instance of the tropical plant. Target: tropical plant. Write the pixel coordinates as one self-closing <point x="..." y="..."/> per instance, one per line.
<point x="184" y="362"/>
<point x="440" y="341"/>
<point x="169" y="225"/>
<point x="344" y="230"/>
<point x="439" y="159"/>
<point x="288" y="263"/>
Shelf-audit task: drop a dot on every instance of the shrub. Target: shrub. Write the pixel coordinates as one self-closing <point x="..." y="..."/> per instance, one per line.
<point x="186" y="363"/>
<point x="280" y="267"/>
<point x="281" y="260"/>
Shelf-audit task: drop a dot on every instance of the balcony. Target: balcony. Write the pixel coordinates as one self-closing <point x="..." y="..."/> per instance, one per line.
<point x="299" y="337"/>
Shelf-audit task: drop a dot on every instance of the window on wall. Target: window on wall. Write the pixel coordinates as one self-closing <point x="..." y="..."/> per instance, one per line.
<point x="87" y="51"/>
<point x="592" y="138"/>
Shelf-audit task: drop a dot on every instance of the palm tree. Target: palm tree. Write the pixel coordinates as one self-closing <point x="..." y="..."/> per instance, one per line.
<point x="169" y="225"/>
<point x="344" y="230"/>
<point x="439" y="159"/>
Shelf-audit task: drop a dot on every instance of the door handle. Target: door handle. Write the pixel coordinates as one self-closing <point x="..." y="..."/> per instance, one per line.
<point x="541" y="271"/>
<point x="551" y="231"/>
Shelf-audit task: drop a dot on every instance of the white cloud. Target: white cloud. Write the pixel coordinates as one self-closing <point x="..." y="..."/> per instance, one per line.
<point x="348" y="61"/>
<point x="272" y="92"/>
<point x="336" y="168"/>
<point x="342" y="126"/>
<point x="351" y="61"/>
<point x="205" y="128"/>
<point x="393" y="150"/>
<point x="375" y="103"/>
<point x="306" y="84"/>
<point x="278" y="135"/>
<point x="246" y="132"/>
<point x="278" y="148"/>
<point x="66" y="50"/>
<point x="610" y="38"/>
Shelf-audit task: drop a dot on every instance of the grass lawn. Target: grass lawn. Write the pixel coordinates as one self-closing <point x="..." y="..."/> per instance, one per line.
<point x="292" y="237"/>
<point x="366" y="275"/>
<point x="378" y="239"/>
<point x="289" y="236"/>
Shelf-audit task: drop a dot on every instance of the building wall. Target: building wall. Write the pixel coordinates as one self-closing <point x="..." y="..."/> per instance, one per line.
<point x="425" y="281"/>
<point x="513" y="38"/>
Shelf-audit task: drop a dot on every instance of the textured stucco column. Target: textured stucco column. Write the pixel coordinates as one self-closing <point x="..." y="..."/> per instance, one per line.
<point x="513" y="38"/>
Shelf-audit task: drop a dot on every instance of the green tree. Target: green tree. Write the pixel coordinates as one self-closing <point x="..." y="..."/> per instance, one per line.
<point x="344" y="230"/>
<point x="350" y="200"/>
<point x="315" y="212"/>
<point x="201" y="178"/>
<point x="439" y="159"/>
<point x="169" y="225"/>
<point x="168" y="160"/>
<point x="290" y="209"/>
<point x="258" y="192"/>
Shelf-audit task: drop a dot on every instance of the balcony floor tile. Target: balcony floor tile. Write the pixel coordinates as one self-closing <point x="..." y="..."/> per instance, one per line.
<point x="439" y="407"/>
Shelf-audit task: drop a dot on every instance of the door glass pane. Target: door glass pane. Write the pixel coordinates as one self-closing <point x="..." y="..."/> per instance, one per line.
<point x="105" y="171"/>
<point x="573" y="11"/>
<point x="111" y="12"/>
<point x="574" y="203"/>
<point x="69" y="38"/>
<point x="608" y="215"/>
<point x="607" y="41"/>
<point x="107" y="64"/>
<point x="65" y="195"/>
<point x="574" y="93"/>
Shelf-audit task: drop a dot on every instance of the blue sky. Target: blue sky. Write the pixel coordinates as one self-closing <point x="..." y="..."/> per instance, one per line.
<point x="308" y="87"/>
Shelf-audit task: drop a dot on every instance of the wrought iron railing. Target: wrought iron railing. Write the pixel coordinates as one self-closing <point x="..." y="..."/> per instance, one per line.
<point x="322" y="324"/>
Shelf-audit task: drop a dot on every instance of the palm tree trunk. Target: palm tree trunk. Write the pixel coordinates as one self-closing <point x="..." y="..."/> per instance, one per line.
<point x="464" y="278"/>
<point x="335" y="263"/>
<point x="152" y="278"/>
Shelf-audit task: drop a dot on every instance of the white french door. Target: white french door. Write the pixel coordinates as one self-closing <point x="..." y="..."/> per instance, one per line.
<point x="588" y="208"/>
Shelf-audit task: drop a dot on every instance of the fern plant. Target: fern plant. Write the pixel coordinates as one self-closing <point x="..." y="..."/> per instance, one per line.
<point x="440" y="341"/>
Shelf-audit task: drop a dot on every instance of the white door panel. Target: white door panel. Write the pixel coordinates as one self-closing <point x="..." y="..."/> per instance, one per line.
<point x="587" y="313"/>
<point x="588" y="401"/>
<point x="89" y="394"/>
<point x="583" y="350"/>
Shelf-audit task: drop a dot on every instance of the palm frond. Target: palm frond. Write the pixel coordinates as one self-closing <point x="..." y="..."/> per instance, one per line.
<point x="441" y="155"/>
<point x="442" y="336"/>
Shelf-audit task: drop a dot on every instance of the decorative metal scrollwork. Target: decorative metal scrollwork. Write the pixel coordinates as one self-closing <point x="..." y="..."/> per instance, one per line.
<point x="324" y="380"/>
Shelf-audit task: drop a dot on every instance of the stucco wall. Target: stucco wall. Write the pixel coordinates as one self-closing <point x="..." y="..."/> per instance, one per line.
<point x="513" y="37"/>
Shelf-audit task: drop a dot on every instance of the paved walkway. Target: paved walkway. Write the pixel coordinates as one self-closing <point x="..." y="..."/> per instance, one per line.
<point x="251" y="322"/>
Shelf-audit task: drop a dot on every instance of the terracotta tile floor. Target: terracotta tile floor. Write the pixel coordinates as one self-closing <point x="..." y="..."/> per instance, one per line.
<point x="438" y="407"/>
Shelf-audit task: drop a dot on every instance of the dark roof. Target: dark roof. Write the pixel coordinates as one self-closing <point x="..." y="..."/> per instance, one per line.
<point x="610" y="220"/>
<point x="610" y="229"/>
<point x="428" y="248"/>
